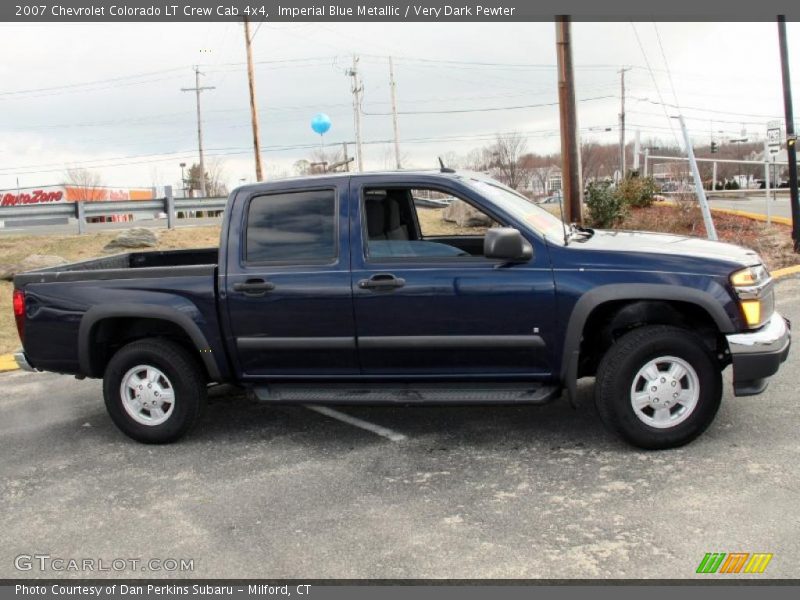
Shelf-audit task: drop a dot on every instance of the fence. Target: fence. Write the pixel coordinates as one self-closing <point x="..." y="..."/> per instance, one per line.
<point x="81" y="211"/>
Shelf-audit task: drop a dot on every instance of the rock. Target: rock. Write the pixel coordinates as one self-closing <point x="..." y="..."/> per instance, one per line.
<point x="31" y="262"/>
<point x="136" y="237"/>
<point x="464" y="215"/>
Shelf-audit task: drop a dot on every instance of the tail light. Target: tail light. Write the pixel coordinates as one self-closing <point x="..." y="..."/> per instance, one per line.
<point x="19" y="312"/>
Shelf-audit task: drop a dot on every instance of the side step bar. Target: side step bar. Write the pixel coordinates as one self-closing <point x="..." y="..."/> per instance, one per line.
<point x="400" y="393"/>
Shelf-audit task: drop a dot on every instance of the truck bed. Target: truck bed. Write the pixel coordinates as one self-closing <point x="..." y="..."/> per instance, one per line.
<point x="161" y="263"/>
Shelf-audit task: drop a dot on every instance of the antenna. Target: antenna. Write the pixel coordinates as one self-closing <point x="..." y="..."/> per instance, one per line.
<point x="443" y="169"/>
<point x="563" y="223"/>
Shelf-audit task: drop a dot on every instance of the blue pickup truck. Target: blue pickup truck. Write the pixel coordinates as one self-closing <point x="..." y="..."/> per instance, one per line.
<point x="410" y="287"/>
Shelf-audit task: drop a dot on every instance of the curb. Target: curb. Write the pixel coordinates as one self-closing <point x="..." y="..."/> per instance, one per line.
<point x="753" y="216"/>
<point x="786" y="272"/>
<point x="7" y="363"/>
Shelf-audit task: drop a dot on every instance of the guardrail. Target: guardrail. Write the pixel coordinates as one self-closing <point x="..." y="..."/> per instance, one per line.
<point x="81" y="211"/>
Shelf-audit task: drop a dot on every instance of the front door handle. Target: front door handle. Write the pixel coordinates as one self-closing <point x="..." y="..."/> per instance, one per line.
<point x="382" y="281"/>
<point x="254" y="287"/>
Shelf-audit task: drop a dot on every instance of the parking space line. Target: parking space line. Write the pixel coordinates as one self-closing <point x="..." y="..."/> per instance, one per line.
<point x="356" y="422"/>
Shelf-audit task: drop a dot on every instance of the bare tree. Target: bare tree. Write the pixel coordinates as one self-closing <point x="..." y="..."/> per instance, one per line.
<point x="87" y="183"/>
<point x="477" y="159"/>
<point x="214" y="176"/>
<point x="507" y="151"/>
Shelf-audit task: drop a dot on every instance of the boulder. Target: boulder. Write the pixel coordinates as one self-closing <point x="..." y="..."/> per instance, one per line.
<point x="32" y="262"/>
<point x="464" y="215"/>
<point x="136" y="237"/>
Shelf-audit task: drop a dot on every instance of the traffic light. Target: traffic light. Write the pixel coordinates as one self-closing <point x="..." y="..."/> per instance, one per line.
<point x="714" y="147"/>
<point x="791" y="140"/>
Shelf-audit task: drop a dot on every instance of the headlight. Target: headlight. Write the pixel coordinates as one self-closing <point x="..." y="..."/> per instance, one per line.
<point x="751" y="285"/>
<point x="750" y="276"/>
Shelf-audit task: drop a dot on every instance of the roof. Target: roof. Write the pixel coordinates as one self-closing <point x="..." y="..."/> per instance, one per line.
<point x="387" y="174"/>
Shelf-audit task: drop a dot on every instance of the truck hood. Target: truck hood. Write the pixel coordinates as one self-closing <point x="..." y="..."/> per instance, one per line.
<point x="663" y="243"/>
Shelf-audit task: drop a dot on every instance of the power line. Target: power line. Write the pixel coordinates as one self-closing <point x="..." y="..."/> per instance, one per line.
<point x="708" y="110"/>
<point x="666" y="64"/>
<point x="655" y="83"/>
<point x="473" y="110"/>
<point x="90" y="83"/>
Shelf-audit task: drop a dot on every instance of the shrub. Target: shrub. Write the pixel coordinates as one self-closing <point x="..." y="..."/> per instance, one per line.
<point x="637" y="192"/>
<point x="606" y="207"/>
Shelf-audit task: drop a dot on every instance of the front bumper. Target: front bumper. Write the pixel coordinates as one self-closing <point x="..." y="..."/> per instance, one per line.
<point x="757" y="355"/>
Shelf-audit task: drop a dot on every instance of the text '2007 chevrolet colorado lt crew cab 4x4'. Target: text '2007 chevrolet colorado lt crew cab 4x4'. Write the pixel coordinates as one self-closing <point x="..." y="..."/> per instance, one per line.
<point x="409" y="287"/>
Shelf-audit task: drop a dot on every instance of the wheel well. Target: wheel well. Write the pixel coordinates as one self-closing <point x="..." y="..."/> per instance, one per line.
<point x="610" y="320"/>
<point x="111" y="334"/>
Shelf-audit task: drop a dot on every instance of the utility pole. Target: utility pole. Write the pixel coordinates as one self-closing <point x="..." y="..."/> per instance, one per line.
<point x="251" y="84"/>
<point x="570" y="147"/>
<point x="197" y="89"/>
<point x="622" y="122"/>
<point x="791" y="135"/>
<point x="392" y="87"/>
<point x="357" y="88"/>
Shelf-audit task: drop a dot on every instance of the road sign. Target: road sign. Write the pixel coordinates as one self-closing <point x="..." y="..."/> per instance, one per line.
<point x="774" y="136"/>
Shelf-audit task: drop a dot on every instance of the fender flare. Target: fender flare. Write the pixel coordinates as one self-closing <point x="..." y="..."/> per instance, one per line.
<point x="143" y="311"/>
<point x="628" y="291"/>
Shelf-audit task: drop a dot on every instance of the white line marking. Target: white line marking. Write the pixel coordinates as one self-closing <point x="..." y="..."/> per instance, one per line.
<point x="355" y="422"/>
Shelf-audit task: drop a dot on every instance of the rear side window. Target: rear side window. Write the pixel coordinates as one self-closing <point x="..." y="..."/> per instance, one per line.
<point x="292" y="227"/>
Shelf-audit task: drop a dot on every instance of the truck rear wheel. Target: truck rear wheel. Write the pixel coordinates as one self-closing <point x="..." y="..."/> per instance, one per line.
<point x="154" y="391"/>
<point x="658" y="387"/>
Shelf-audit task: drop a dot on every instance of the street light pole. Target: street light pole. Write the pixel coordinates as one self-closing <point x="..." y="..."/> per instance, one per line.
<point x="183" y="179"/>
<point x="791" y="135"/>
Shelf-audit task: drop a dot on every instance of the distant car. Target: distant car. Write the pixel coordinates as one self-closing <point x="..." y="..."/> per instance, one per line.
<point x="550" y="200"/>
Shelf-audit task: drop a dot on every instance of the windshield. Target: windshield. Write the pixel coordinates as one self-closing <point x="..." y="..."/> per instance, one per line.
<point x="514" y="203"/>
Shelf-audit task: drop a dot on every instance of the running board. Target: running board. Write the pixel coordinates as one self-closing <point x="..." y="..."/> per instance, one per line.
<point x="399" y="393"/>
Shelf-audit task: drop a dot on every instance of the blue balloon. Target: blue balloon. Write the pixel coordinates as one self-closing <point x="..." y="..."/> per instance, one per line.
<point x="321" y="123"/>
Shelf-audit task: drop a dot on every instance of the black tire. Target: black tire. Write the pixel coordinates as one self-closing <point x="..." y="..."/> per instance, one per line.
<point x="622" y="362"/>
<point x="184" y="375"/>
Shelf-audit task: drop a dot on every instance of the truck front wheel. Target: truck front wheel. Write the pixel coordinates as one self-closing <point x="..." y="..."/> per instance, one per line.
<point x="154" y="391"/>
<point x="658" y="387"/>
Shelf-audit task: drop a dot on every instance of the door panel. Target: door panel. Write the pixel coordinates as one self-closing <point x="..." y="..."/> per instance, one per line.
<point x="452" y="316"/>
<point x="289" y="298"/>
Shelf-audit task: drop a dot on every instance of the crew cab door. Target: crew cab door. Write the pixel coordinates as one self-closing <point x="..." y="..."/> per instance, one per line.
<point x="427" y="303"/>
<point x="287" y="287"/>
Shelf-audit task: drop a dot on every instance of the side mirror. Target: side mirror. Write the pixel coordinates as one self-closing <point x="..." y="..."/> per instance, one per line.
<point x="506" y="243"/>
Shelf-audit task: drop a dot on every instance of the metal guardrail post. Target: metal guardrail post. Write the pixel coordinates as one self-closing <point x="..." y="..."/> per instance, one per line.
<point x="80" y="214"/>
<point x="169" y="206"/>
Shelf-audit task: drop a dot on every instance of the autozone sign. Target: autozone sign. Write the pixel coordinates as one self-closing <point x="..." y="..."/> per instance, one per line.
<point x="32" y="196"/>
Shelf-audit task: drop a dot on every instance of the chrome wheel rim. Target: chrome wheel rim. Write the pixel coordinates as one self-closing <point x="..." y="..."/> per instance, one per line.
<point x="665" y="392"/>
<point x="147" y="395"/>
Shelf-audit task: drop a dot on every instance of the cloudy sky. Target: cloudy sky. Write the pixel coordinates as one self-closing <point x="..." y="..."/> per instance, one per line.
<point x="107" y="97"/>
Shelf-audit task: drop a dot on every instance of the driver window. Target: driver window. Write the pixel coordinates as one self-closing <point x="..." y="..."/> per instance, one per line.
<point x="422" y="223"/>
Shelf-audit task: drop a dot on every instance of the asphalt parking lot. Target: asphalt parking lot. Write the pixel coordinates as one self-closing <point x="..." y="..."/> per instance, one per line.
<point x="478" y="492"/>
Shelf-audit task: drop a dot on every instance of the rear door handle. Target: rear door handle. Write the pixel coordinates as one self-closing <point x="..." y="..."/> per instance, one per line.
<point x="254" y="287"/>
<point x="382" y="281"/>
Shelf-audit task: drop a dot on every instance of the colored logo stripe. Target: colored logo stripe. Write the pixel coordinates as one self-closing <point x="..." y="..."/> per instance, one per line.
<point x="711" y="562"/>
<point x="758" y="563"/>
<point x="734" y="562"/>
